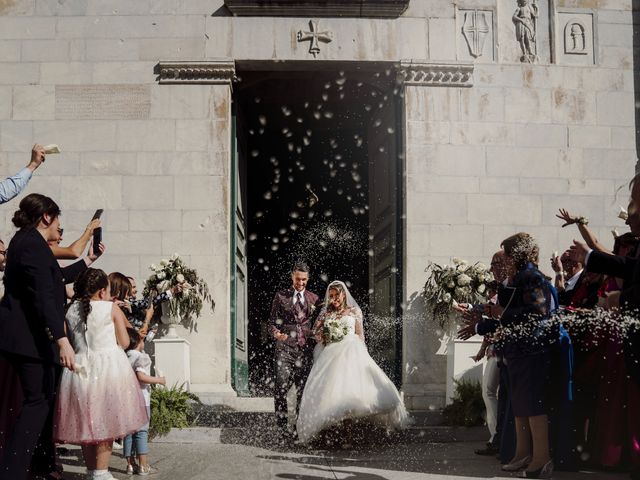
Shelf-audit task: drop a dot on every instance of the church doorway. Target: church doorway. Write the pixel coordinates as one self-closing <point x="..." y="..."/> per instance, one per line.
<point x="317" y="172"/>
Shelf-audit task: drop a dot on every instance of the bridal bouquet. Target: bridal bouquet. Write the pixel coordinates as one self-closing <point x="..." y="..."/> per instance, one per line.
<point x="333" y="330"/>
<point x="460" y="282"/>
<point x="189" y="291"/>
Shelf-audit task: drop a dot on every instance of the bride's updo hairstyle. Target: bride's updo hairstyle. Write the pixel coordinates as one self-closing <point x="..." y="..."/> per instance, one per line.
<point x="32" y="208"/>
<point x="338" y="287"/>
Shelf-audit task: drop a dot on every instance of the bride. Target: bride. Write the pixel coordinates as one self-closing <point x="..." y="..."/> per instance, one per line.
<point x="345" y="383"/>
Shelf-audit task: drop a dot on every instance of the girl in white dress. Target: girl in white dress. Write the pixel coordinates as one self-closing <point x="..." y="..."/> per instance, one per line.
<point x="345" y="382"/>
<point x="99" y="400"/>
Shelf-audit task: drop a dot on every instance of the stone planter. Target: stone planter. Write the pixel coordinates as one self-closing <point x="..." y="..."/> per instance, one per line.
<point x="170" y="321"/>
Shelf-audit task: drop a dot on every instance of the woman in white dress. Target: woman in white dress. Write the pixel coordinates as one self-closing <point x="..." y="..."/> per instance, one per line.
<point x="345" y="383"/>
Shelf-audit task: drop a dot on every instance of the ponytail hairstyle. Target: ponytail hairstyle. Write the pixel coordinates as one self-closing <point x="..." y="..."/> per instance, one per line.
<point x="120" y="286"/>
<point x="87" y="284"/>
<point x="32" y="208"/>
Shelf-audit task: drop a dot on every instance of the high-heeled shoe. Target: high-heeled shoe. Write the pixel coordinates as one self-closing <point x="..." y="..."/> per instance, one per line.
<point x="546" y="471"/>
<point x="517" y="465"/>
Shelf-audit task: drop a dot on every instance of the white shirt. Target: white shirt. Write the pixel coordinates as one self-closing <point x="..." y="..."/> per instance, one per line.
<point x="571" y="283"/>
<point x="141" y="362"/>
<point x="295" y="296"/>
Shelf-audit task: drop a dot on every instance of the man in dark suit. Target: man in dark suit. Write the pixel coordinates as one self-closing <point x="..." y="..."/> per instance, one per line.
<point x="32" y="336"/>
<point x="291" y="324"/>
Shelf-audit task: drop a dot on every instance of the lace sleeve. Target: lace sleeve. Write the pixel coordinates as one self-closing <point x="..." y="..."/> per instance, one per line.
<point x="357" y="313"/>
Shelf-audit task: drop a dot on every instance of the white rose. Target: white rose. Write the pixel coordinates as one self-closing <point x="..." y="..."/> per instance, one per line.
<point x="451" y="284"/>
<point x="481" y="288"/>
<point x="447" y="298"/>
<point x="459" y="293"/>
<point x="456" y="260"/>
<point x="464" y="280"/>
<point x="160" y="276"/>
<point x="180" y="278"/>
<point x="153" y="267"/>
<point x="163" y="263"/>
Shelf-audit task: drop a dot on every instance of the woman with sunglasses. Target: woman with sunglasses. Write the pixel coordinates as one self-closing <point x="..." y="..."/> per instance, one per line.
<point x="76" y="249"/>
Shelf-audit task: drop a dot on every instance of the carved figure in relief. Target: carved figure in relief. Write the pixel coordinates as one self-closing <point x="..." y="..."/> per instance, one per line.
<point x="525" y="19"/>
<point x="577" y="37"/>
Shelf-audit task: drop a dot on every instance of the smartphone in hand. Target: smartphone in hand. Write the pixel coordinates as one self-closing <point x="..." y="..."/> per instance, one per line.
<point x="97" y="239"/>
<point x="98" y="214"/>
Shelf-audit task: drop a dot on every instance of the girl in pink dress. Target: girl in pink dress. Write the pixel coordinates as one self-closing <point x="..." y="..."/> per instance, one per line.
<point x="100" y="400"/>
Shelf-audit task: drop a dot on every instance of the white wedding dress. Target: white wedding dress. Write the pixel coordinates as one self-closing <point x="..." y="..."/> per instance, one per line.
<point x="346" y="383"/>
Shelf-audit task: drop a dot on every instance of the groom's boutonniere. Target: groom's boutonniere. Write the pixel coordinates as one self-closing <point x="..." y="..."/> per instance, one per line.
<point x="313" y="308"/>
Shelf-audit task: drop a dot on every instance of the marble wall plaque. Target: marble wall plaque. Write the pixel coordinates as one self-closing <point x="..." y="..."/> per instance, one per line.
<point x="475" y="35"/>
<point x="575" y="37"/>
<point x="102" y="102"/>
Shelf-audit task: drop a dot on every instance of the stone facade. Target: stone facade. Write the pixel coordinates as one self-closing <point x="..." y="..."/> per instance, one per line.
<point x="496" y="153"/>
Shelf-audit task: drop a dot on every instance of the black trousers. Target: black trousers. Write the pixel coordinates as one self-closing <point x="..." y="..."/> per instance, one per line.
<point x="31" y="439"/>
<point x="292" y="367"/>
<point x="506" y="428"/>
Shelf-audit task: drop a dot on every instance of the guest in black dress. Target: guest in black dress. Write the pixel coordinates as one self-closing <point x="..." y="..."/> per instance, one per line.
<point x="524" y="306"/>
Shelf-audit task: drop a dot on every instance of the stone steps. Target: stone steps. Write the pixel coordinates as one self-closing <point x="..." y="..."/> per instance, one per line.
<point x="222" y="425"/>
<point x="267" y="435"/>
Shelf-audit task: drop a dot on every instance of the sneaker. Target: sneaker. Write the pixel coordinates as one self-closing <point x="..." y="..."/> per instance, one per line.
<point x="131" y="469"/>
<point x="148" y="470"/>
<point x="117" y="444"/>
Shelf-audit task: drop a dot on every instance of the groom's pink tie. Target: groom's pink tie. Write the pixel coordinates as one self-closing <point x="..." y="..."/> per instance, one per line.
<point x="299" y="308"/>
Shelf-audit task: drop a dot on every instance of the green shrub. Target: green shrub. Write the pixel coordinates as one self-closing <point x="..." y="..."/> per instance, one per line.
<point x="467" y="409"/>
<point x="170" y="408"/>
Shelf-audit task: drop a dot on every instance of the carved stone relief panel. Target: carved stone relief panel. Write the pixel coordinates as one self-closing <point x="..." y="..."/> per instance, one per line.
<point x="475" y="34"/>
<point x="575" y="37"/>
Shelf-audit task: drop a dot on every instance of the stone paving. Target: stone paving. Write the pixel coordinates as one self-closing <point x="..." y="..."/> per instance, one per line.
<point x="401" y="460"/>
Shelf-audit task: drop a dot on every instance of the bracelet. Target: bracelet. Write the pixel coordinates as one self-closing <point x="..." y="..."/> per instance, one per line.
<point x="560" y="274"/>
<point x="582" y="221"/>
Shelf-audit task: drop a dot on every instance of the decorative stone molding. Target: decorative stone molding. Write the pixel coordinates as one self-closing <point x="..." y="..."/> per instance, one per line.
<point x="318" y="8"/>
<point x="575" y="37"/>
<point x="316" y="36"/>
<point x="202" y="72"/>
<point x="436" y="74"/>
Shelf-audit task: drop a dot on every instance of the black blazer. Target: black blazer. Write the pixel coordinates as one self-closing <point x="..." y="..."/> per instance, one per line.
<point x="627" y="268"/>
<point x="32" y="309"/>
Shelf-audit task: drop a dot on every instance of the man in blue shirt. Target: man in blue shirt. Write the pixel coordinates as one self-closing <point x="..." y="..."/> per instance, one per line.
<point x="10" y="187"/>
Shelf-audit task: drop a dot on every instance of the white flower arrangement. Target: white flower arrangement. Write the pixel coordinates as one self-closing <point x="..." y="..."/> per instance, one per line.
<point x="189" y="291"/>
<point x="333" y="330"/>
<point x="459" y="282"/>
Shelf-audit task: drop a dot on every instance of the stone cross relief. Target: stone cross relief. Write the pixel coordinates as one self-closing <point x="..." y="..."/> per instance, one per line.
<point x="315" y="36"/>
<point x="475" y="29"/>
<point x="525" y="19"/>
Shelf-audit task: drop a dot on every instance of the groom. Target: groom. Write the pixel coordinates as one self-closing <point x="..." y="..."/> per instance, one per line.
<point x="291" y="324"/>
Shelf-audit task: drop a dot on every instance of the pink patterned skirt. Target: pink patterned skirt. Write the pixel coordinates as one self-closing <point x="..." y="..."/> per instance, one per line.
<point x="99" y="402"/>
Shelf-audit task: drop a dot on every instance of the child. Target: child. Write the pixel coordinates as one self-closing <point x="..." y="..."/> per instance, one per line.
<point x="141" y="364"/>
<point x="90" y="406"/>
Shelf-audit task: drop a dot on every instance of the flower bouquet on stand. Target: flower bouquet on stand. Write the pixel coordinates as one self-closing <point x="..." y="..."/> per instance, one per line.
<point x="459" y="282"/>
<point x="190" y="292"/>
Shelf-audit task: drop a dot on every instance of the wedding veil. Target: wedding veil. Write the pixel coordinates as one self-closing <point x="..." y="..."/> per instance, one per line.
<point x="351" y="302"/>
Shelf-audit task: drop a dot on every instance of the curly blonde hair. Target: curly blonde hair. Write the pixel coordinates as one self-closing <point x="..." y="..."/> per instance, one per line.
<point x="522" y="249"/>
